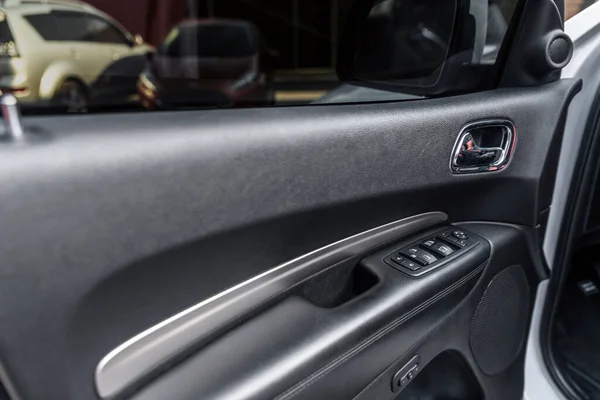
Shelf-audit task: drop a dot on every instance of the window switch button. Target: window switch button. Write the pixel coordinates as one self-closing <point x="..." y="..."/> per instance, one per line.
<point x="442" y="249"/>
<point x="428" y="258"/>
<point x="437" y="246"/>
<point x="420" y="256"/>
<point x="429" y="243"/>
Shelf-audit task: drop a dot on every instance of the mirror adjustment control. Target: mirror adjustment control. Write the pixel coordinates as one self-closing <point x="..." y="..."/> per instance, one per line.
<point x="461" y="235"/>
<point x="458" y="242"/>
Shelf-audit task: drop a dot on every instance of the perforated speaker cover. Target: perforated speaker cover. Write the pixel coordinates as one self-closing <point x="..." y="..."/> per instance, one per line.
<point x="499" y="325"/>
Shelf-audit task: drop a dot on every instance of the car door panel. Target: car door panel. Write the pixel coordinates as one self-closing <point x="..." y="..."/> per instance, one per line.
<point x="319" y="339"/>
<point x="111" y="226"/>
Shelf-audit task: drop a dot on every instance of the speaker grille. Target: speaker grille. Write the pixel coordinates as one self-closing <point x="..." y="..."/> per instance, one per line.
<point x="500" y="321"/>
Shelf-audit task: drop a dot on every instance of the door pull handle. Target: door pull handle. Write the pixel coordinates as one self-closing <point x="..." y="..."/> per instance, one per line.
<point x="483" y="147"/>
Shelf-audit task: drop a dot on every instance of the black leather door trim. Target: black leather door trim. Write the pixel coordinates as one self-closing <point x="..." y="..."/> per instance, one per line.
<point x="321" y="373"/>
<point x="160" y="344"/>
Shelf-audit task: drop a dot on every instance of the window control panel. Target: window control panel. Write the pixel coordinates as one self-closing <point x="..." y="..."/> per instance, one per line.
<point x="430" y="252"/>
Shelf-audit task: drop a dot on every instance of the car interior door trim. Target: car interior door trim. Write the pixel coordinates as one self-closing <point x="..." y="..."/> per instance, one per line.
<point x="149" y="350"/>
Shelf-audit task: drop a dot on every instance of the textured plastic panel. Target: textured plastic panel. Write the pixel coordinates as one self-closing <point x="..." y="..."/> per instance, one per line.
<point x="113" y="224"/>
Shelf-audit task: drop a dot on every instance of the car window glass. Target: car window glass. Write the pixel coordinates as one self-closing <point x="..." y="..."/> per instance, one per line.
<point x="203" y="54"/>
<point x="45" y="25"/>
<point x="101" y="31"/>
<point x="191" y="40"/>
<point x="401" y="41"/>
<point x="72" y="26"/>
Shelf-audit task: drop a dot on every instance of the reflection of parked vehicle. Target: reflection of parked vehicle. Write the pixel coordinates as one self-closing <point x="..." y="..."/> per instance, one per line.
<point x="213" y="63"/>
<point x="66" y="54"/>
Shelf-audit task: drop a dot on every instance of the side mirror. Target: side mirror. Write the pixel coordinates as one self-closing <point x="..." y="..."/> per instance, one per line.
<point x="422" y="47"/>
<point x="138" y="40"/>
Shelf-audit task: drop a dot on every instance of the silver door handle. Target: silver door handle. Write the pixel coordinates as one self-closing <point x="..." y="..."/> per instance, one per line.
<point x="483" y="147"/>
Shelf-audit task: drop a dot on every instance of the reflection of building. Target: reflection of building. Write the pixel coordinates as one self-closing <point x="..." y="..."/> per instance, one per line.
<point x="150" y="18"/>
<point x="304" y="32"/>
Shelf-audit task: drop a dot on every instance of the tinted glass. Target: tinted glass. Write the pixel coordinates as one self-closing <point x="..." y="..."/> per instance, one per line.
<point x="45" y="25"/>
<point x="405" y="40"/>
<point x="101" y="31"/>
<point x="199" y="40"/>
<point x="191" y="54"/>
<point x="72" y="26"/>
<point x="407" y="45"/>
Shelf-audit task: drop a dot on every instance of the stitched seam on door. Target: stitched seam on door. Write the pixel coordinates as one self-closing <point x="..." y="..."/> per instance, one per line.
<point x="418" y="344"/>
<point x="374" y="338"/>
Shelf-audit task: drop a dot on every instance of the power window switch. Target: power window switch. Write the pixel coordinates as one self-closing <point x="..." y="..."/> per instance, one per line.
<point x="442" y="249"/>
<point x="437" y="247"/>
<point x="427" y="257"/>
<point x="420" y="256"/>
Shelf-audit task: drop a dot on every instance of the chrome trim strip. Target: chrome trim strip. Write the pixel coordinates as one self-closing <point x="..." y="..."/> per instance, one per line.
<point x="143" y="354"/>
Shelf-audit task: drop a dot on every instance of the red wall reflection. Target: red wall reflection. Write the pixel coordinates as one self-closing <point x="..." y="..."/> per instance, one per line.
<point x="151" y="18"/>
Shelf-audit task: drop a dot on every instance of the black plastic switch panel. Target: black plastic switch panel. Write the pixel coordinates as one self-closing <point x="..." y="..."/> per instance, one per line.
<point x="432" y="251"/>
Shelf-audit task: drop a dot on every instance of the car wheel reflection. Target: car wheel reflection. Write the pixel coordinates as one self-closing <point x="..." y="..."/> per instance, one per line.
<point x="72" y="97"/>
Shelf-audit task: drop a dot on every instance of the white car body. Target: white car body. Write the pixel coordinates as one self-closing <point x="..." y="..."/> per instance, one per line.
<point x="584" y="30"/>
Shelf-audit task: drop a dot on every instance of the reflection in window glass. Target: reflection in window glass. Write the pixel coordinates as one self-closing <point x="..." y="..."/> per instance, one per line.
<point x="100" y="30"/>
<point x="574" y="7"/>
<point x="405" y="41"/>
<point x="181" y="54"/>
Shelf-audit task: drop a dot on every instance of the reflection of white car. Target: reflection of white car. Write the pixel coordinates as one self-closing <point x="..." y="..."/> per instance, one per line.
<point x="66" y="53"/>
